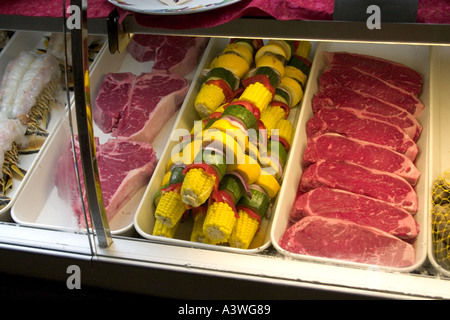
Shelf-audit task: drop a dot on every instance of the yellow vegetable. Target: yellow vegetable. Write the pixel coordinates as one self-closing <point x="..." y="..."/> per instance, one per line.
<point x="162" y="230"/>
<point x="294" y="89"/>
<point x="232" y="62"/>
<point x="170" y="208"/>
<point x="219" y="222"/>
<point x="270" y="118"/>
<point x="209" y="98"/>
<point x="271" y="61"/>
<point x="197" y="187"/>
<point x="244" y="231"/>
<point x="258" y="95"/>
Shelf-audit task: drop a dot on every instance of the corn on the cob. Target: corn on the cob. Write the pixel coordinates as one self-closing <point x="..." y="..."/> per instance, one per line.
<point x="197" y="234"/>
<point x="244" y="230"/>
<point x="162" y="230"/>
<point x="258" y="95"/>
<point x="209" y="98"/>
<point x="197" y="187"/>
<point x="219" y="222"/>
<point x="285" y="132"/>
<point x="170" y="208"/>
<point x="303" y="49"/>
<point x="270" y="118"/>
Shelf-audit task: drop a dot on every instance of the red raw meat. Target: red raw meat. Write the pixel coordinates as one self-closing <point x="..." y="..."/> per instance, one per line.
<point x="335" y="147"/>
<point x="392" y="72"/>
<point x="112" y="99"/>
<point x="143" y="47"/>
<point x="361" y="180"/>
<point x="363" y="210"/>
<point x="124" y="168"/>
<point x="341" y="97"/>
<point x="170" y="53"/>
<point x="338" y="75"/>
<point x="138" y="107"/>
<point x="344" y="240"/>
<point x="351" y="123"/>
<point x="179" y="54"/>
<point x="154" y="99"/>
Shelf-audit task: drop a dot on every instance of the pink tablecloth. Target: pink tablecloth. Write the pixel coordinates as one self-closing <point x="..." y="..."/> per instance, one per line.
<point x="429" y="11"/>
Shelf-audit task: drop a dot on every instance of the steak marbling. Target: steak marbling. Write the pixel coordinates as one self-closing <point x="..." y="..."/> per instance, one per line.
<point x="360" y="209"/>
<point x="345" y="240"/>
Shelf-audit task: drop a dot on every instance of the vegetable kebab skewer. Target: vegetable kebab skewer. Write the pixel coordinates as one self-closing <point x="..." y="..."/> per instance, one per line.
<point x="223" y="78"/>
<point x="229" y="200"/>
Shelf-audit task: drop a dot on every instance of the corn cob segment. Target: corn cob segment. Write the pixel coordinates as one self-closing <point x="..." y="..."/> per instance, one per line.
<point x="209" y="98"/>
<point x="285" y="133"/>
<point x="270" y="118"/>
<point x="244" y="230"/>
<point x="197" y="187"/>
<point x="258" y="95"/>
<point x="219" y="222"/>
<point x="162" y="230"/>
<point x="170" y="208"/>
<point x="197" y="234"/>
<point x="303" y="49"/>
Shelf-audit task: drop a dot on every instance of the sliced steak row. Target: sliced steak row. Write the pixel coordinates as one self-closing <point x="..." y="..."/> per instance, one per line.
<point x="339" y="75"/>
<point x="352" y="123"/>
<point x="336" y="147"/>
<point x="360" y="209"/>
<point x="341" y="97"/>
<point x="392" y="72"/>
<point x="345" y="240"/>
<point x="356" y="199"/>
<point x="361" y="180"/>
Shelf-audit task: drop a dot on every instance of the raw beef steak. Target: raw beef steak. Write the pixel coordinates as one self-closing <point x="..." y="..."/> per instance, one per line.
<point x="392" y="72"/>
<point x="332" y="146"/>
<point x="154" y="99"/>
<point x="353" y="124"/>
<point x="179" y="54"/>
<point x="112" y="99"/>
<point x="143" y="47"/>
<point x="345" y="240"/>
<point x="137" y="107"/>
<point x="361" y="180"/>
<point x="124" y="168"/>
<point x="366" y="211"/>
<point x="169" y="53"/>
<point x="338" y="75"/>
<point x="338" y="97"/>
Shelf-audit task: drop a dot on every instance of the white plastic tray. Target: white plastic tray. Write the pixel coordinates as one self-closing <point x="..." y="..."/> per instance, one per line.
<point x="24" y="41"/>
<point x="39" y="203"/>
<point x="144" y="219"/>
<point x="439" y="135"/>
<point x="416" y="57"/>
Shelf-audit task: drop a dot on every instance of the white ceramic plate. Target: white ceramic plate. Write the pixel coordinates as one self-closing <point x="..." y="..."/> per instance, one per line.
<point x="157" y="7"/>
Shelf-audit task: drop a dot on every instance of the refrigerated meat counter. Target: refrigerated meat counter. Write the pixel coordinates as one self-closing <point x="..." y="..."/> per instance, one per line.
<point x="162" y="266"/>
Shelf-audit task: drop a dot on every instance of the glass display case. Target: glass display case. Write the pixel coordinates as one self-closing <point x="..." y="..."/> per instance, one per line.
<point x="38" y="222"/>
